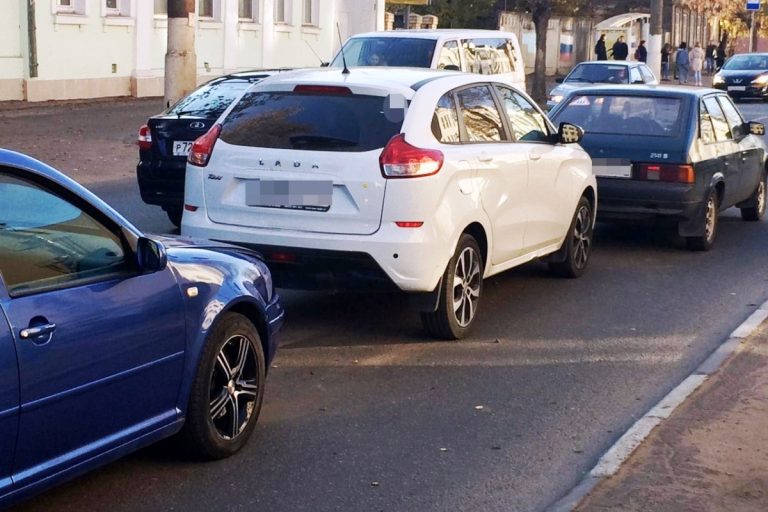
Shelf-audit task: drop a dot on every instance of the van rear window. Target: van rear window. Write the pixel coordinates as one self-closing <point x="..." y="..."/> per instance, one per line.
<point x="408" y="52"/>
<point x="312" y="122"/>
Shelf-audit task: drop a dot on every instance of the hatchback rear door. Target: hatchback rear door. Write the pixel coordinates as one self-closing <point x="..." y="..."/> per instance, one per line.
<point x="304" y="159"/>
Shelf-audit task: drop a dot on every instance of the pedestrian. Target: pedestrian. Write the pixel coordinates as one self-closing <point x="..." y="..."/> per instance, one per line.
<point x="666" y="51"/>
<point x="710" y="54"/>
<point x="696" y="58"/>
<point x="600" y="51"/>
<point x="720" y="58"/>
<point x="620" y="49"/>
<point x="682" y="63"/>
<point x="641" y="54"/>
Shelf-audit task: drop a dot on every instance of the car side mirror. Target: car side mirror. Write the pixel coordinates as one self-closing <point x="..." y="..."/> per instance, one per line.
<point x="638" y="82"/>
<point x="756" y="128"/>
<point x="325" y="64"/>
<point x="150" y="255"/>
<point x="569" y="133"/>
<point x="559" y="80"/>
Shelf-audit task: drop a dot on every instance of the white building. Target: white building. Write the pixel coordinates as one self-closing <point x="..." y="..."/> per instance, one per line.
<point x="67" y="49"/>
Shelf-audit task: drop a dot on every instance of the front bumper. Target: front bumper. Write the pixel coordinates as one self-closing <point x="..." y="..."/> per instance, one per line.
<point x="750" y="90"/>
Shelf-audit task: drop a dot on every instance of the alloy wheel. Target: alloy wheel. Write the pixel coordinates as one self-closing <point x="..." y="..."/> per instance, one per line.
<point x="711" y="218"/>
<point x="582" y="238"/>
<point x="234" y="387"/>
<point x="466" y="286"/>
<point x="761" y="198"/>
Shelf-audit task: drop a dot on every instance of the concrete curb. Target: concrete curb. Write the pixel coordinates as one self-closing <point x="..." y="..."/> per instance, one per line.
<point x="609" y="464"/>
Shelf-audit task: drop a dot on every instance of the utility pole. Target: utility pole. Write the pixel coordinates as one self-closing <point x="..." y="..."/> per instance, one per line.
<point x="654" y="45"/>
<point x="752" y="32"/>
<point x="180" y="57"/>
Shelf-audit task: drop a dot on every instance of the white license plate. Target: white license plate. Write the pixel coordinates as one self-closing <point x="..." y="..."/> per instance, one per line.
<point x="298" y="195"/>
<point x="181" y="147"/>
<point x="737" y="87"/>
<point x="612" y="167"/>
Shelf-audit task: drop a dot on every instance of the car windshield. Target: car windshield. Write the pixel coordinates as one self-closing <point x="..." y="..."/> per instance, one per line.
<point x="210" y="100"/>
<point x="313" y="122"/>
<point x="599" y="73"/>
<point x="650" y="116"/>
<point x="747" y="62"/>
<point x="387" y="51"/>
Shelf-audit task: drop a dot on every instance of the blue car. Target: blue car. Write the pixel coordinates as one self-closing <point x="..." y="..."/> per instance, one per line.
<point x="111" y="339"/>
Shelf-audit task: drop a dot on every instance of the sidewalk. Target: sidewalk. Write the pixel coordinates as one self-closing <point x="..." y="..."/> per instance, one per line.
<point x="710" y="455"/>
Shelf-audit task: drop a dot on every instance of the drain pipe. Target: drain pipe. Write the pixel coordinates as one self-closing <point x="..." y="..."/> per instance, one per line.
<point x="32" y="34"/>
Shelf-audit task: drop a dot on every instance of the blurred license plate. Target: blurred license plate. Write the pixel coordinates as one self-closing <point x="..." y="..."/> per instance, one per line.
<point x="181" y="147"/>
<point x="298" y="195"/>
<point x="612" y="167"/>
<point x="737" y="87"/>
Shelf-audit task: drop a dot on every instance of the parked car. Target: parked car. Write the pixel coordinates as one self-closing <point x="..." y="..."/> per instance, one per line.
<point x="111" y="339"/>
<point x="166" y="139"/>
<point x="422" y="181"/>
<point x="744" y="76"/>
<point x="601" y="72"/>
<point x="487" y="52"/>
<point x="670" y="154"/>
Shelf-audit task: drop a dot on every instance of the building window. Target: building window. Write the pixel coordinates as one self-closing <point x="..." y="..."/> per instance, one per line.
<point x="283" y="11"/>
<point x="205" y="9"/>
<point x="161" y="7"/>
<point x="117" y="7"/>
<point x="308" y="10"/>
<point x="248" y="10"/>
<point x="69" y="7"/>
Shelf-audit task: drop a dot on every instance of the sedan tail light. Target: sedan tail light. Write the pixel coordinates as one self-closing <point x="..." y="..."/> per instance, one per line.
<point x="665" y="172"/>
<point x="401" y="160"/>
<point x="145" y="138"/>
<point x="203" y="147"/>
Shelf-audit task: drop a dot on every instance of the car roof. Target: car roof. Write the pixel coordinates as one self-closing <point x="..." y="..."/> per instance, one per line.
<point x="437" y="33"/>
<point x="646" y="90"/>
<point x="249" y="74"/>
<point x="378" y="77"/>
<point x="613" y="62"/>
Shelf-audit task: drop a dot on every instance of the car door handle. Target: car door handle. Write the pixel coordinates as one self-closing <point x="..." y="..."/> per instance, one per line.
<point x="485" y="158"/>
<point x="37" y="331"/>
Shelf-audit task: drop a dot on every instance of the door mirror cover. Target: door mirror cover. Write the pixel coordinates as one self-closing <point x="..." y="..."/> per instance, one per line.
<point x="756" y="128"/>
<point x="570" y="133"/>
<point x="150" y="255"/>
<point x="559" y="80"/>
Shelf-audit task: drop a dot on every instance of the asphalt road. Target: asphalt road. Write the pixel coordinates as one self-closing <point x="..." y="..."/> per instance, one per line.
<point x="363" y="413"/>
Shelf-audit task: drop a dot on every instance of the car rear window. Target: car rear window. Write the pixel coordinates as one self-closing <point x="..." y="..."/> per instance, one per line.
<point x="313" y="122"/>
<point x="210" y="100"/>
<point x="649" y="116"/>
<point x="599" y="73"/>
<point x="387" y="51"/>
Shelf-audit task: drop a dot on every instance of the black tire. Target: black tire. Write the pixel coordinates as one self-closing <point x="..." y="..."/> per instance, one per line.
<point x="460" y="294"/>
<point x="578" y="243"/>
<point x="755" y="213"/>
<point x="174" y="215"/>
<point x="228" y="390"/>
<point x="705" y="241"/>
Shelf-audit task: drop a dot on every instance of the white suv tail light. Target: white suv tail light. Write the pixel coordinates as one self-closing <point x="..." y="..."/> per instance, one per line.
<point x="401" y="160"/>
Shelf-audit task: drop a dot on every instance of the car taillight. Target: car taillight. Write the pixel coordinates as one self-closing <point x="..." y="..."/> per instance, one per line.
<point x="145" y="138"/>
<point x="665" y="172"/>
<point x="203" y="147"/>
<point x="401" y="160"/>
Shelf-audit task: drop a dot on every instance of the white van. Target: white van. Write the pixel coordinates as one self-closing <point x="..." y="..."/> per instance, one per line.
<point x="488" y="52"/>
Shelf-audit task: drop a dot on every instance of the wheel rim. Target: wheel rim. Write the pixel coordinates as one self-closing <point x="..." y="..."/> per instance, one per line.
<point x="466" y="286"/>
<point x="582" y="237"/>
<point x="709" y="225"/>
<point x="234" y="387"/>
<point x="761" y="197"/>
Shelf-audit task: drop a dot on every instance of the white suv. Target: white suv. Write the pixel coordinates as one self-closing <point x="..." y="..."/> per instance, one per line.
<point x="425" y="180"/>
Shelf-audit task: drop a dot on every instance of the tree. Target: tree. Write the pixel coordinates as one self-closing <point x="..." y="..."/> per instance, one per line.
<point x="463" y="13"/>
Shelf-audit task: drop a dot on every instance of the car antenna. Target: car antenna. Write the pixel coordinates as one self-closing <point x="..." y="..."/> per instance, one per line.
<point x="344" y="71"/>
<point x="313" y="51"/>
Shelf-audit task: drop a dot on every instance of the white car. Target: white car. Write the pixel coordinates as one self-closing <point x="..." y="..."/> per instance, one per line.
<point x="426" y="180"/>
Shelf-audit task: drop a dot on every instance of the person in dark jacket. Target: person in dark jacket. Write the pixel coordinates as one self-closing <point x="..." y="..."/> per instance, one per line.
<point x="641" y="54"/>
<point x="711" y="55"/>
<point x="720" y="57"/>
<point x="600" y="50"/>
<point x="666" y="51"/>
<point x="620" y="49"/>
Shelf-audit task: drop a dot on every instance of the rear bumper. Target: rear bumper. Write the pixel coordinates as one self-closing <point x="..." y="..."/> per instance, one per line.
<point x="161" y="182"/>
<point x="631" y="200"/>
<point x="408" y="259"/>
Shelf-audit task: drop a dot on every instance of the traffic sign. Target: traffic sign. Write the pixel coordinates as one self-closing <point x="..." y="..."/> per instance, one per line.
<point x="753" y="5"/>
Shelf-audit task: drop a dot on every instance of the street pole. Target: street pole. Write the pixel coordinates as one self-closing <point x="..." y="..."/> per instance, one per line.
<point x="654" y="44"/>
<point x="180" y="57"/>
<point x="752" y="32"/>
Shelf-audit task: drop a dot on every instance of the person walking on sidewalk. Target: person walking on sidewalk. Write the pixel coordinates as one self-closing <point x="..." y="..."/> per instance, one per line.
<point x="696" y="58"/>
<point x="709" y="55"/>
<point x="600" y="50"/>
<point x="641" y="54"/>
<point x="666" y="51"/>
<point x="682" y="63"/>
<point x="620" y="49"/>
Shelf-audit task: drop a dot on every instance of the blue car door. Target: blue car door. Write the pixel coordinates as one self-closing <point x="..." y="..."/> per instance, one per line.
<point x="9" y="400"/>
<point x="100" y="346"/>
